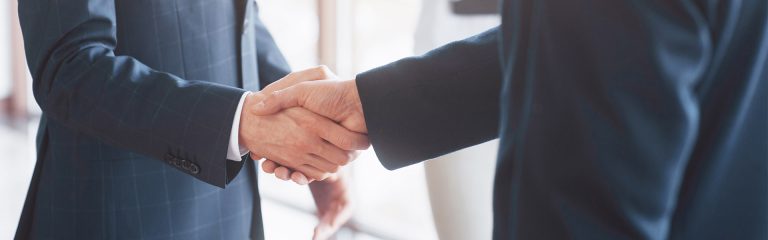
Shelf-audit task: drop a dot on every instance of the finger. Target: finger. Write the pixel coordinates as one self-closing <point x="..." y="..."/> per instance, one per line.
<point x="315" y="73"/>
<point x="297" y="160"/>
<point x="342" y="137"/>
<point x="354" y="154"/>
<point x="299" y="178"/>
<point x="332" y="177"/>
<point x="283" y="173"/>
<point x="313" y="172"/>
<point x="278" y="100"/>
<point x="322" y="164"/>
<point x="333" y="154"/>
<point x="268" y="166"/>
<point x="290" y="158"/>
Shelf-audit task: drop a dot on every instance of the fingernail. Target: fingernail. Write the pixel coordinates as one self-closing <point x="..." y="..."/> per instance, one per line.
<point x="303" y="181"/>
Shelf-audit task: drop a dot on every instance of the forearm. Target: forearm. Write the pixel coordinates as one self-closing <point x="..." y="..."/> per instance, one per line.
<point x="422" y="107"/>
<point x="80" y="83"/>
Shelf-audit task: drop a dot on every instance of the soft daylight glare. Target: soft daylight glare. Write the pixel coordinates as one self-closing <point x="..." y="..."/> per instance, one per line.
<point x="390" y="204"/>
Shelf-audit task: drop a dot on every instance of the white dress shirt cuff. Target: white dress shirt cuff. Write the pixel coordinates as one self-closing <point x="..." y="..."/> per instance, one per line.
<point x="235" y="152"/>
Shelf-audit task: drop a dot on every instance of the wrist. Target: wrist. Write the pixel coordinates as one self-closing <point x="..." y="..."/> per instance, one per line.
<point x="246" y="117"/>
<point x="351" y="89"/>
<point x="354" y="107"/>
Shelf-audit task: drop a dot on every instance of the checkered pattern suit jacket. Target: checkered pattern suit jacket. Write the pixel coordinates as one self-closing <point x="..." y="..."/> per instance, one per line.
<point x="138" y="98"/>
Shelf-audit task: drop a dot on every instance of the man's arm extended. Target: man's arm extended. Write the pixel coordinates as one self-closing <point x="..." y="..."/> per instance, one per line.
<point x="79" y="82"/>
<point x="423" y="107"/>
<point x="416" y="108"/>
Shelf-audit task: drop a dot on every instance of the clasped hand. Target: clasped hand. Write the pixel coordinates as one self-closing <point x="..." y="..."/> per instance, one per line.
<point x="306" y="125"/>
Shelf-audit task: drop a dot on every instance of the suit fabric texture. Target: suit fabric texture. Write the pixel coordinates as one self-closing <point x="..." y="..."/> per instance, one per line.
<point x="616" y="119"/>
<point x="138" y="98"/>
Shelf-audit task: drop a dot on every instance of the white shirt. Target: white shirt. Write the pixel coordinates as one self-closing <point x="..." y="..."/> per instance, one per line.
<point x="235" y="152"/>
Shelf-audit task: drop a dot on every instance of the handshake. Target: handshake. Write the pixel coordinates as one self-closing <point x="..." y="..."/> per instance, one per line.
<point x="306" y="125"/>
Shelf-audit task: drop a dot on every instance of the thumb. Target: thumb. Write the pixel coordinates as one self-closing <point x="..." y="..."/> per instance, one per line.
<point x="278" y="100"/>
<point x="310" y="74"/>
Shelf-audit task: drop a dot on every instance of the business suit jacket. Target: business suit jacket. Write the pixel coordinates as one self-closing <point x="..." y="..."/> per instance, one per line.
<point x="617" y="119"/>
<point x="138" y="98"/>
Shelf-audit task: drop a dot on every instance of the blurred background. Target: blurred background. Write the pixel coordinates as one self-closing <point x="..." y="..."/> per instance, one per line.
<point x="449" y="198"/>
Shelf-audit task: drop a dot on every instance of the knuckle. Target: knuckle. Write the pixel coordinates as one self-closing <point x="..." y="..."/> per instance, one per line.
<point x="312" y="121"/>
<point x="269" y="97"/>
<point x="345" y="143"/>
<point x="310" y="125"/>
<point x="324" y="176"/>
<point x="268" y="165"/>
<point x="318" y="176"/>
<point x="301" y="87"/>
<point x="280" y="172"/>
<point x="320" y="68"/>
<point x="361" y="144"/>
<point x="345" y="159"/>
<point x="324" y="71"/>
<point x="349" y="158"/>
<point x="300" y="175"/>
<point x="316" y="149"/>
<point x="303" y="145"/>
<point x="313" y="73"/>
<point x="338" y="140"/>
<point x="273" y="94"/>
<point x="291" y="142"/>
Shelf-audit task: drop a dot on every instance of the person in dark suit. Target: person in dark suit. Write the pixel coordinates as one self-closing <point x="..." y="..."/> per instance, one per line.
<point x="142" y="134"/>
<point x="617" y="119"/>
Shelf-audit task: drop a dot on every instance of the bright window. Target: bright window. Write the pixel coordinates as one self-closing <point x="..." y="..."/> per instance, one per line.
<point x="389" y="204"/>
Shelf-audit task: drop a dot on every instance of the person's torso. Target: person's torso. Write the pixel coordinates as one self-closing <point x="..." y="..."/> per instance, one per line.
<point x="718" y="184"/>
<point x="200" y="40"/>
<point x="90" y="189"/>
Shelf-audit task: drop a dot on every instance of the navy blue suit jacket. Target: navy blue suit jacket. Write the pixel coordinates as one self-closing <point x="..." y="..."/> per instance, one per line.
<point x="618" y="119"/>
<point x="138" y="98"/>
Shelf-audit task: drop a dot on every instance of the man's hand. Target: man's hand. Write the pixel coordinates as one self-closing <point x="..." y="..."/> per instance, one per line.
<point x="297" y="138"/>
<point x="284" y="173"/>
<point x="310" y="74"/>
<point x="334" y="99"/>
<point x="334" y="206"/>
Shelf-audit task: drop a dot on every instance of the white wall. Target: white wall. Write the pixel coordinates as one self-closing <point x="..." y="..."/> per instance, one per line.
<point x="5" y="48"/>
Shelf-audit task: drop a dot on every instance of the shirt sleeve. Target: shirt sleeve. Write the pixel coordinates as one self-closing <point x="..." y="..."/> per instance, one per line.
<point x="235" y="152"/>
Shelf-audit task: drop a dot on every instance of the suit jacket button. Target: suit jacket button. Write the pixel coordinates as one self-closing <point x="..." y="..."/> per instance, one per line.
<point x="194" y="169"/>
<point x="174" y="161"/>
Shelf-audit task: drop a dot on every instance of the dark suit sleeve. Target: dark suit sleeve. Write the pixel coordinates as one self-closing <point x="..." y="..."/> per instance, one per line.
<point x="423" y="107"/>
<point x="81" y="83"/>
